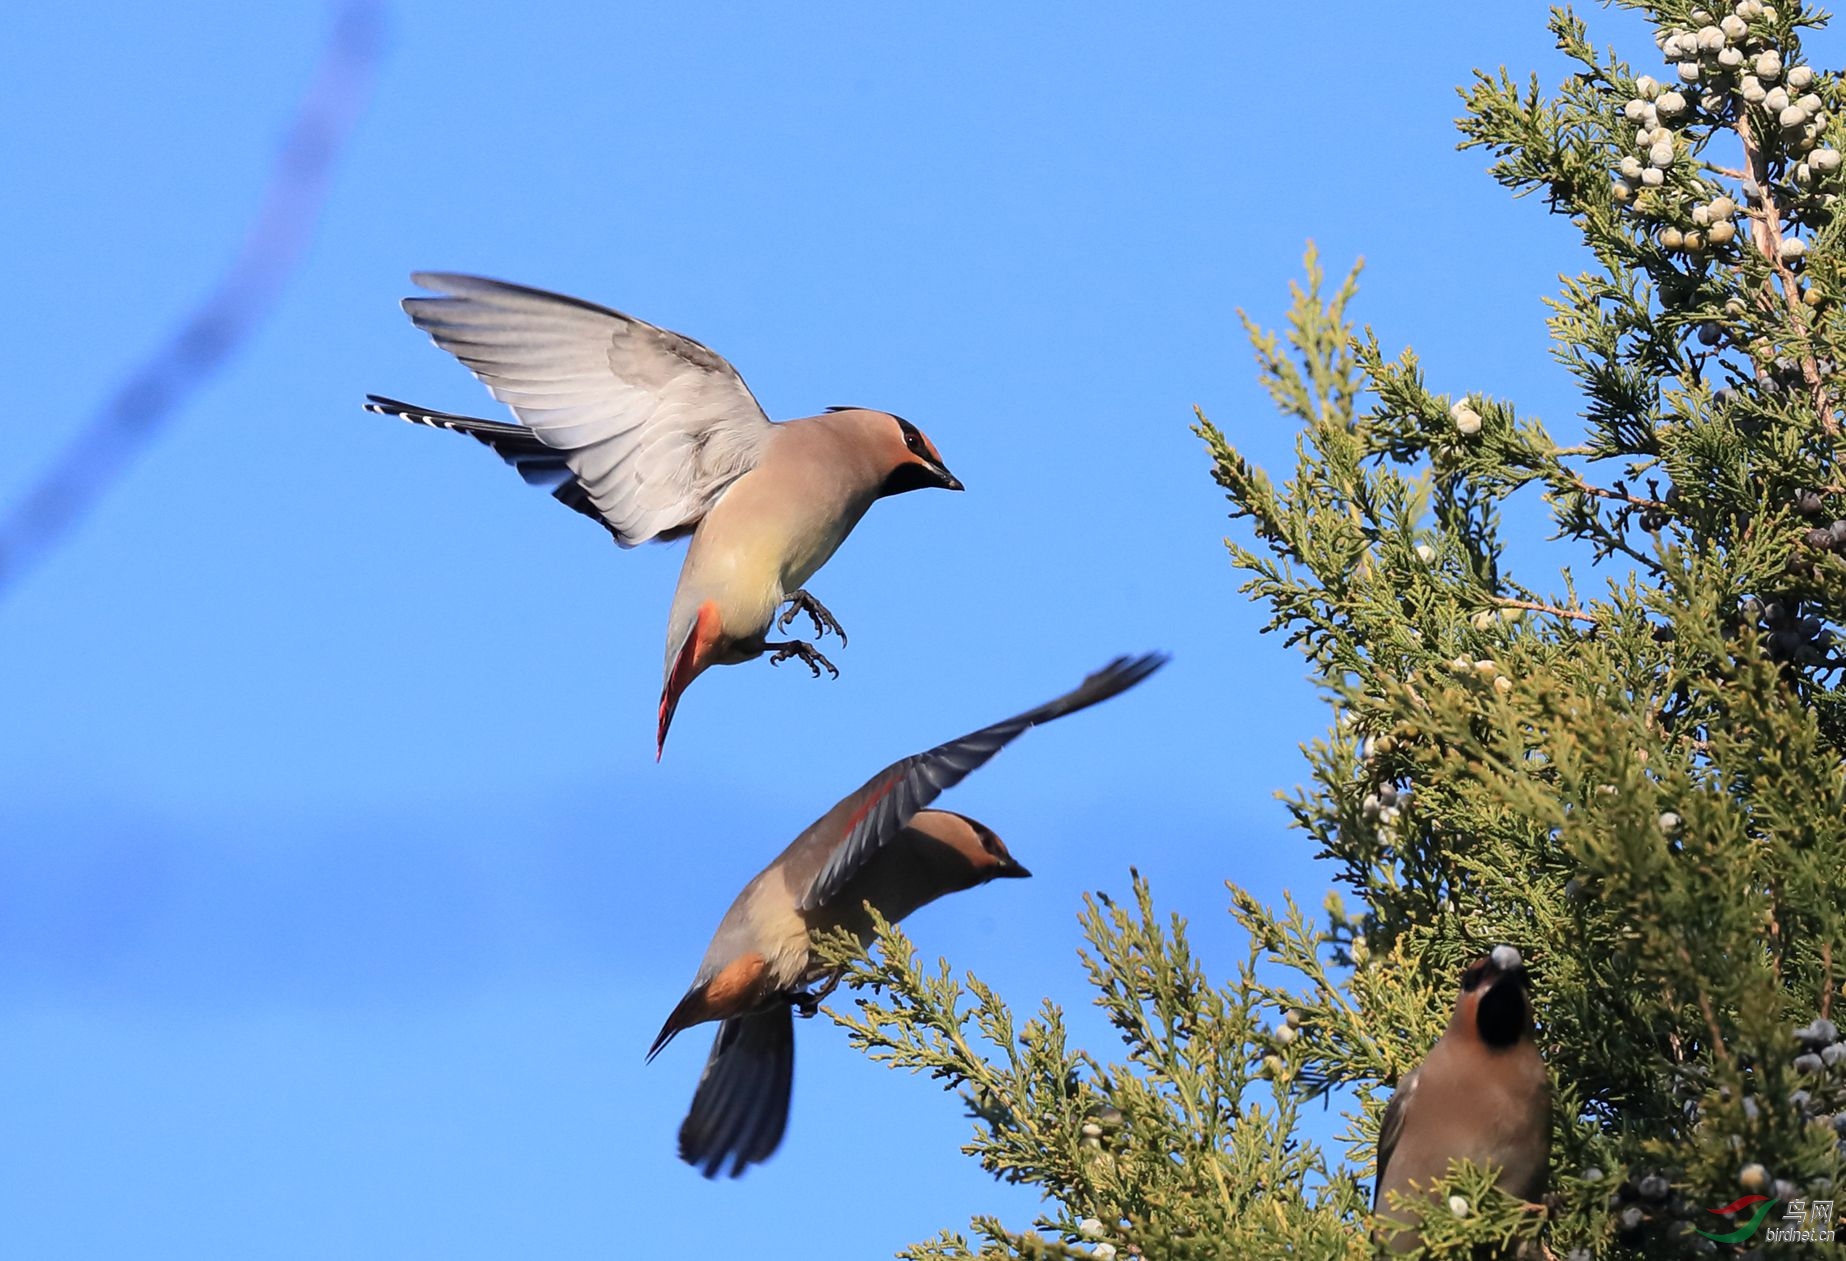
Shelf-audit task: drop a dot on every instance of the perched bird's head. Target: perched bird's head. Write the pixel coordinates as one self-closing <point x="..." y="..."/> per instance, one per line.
<point x="910" y="459"/>
<point x="965" y="853"/>
<point x="1493" y="1006"/>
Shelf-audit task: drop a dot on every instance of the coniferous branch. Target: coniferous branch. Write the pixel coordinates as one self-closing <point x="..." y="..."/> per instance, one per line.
<point x="1640" y="785"/>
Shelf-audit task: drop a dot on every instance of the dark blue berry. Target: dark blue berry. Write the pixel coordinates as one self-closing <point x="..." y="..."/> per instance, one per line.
<point x="1817" y="1034"/>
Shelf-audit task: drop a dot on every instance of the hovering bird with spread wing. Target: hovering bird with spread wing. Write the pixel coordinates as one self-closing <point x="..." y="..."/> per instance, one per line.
<point x="879" y="845"/>
<point x="656" y="437"/>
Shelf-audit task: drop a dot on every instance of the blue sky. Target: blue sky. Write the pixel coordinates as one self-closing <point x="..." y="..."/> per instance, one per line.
<point x="339" y="891"/>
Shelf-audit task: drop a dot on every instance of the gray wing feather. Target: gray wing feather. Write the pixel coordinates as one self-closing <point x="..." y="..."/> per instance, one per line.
<point x="885" y="805"/>
<point x="652" y="424"/>
<point x="1390" y="1129"/>
<point x="536" y="463"/>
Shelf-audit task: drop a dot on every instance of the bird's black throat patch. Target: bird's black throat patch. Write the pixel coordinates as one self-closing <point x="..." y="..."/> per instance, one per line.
<point x="909" y="476"/>
<point x="1501" y="1017"/>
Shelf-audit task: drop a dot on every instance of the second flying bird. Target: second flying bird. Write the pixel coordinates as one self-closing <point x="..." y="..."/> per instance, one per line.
<point x="657" y="437"/>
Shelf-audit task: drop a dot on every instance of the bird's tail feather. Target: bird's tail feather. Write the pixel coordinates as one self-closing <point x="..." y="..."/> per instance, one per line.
<point x="690" y="1010"/>
<point x="740" y="1110"/>
<point x="688" y="662"/>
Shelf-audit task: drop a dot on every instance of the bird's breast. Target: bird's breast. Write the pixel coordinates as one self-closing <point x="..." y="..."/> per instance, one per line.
<point x="759" y="543"/>
<point x="777" y="931"/>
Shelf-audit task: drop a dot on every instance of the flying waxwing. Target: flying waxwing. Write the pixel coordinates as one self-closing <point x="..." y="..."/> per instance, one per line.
<point x="656" y="437"/>
<point x="1480" y="1095"/>
<point x="879" y="846"/>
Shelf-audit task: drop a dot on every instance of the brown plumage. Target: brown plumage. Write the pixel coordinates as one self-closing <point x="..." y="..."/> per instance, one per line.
<point x="655" y="436"/>
<point x="879" y="845"/>
<point x="1480" y="1095"/>
<point x="740" y="1109"/>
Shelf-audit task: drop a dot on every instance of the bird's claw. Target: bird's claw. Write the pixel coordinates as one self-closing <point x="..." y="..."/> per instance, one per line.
<point x="810" y="657"/>
<point x="800" y="602"/>
<point x="807" y="1002"/>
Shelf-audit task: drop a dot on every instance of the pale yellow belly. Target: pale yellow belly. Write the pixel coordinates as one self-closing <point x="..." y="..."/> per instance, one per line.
<point x="753" y="549"/>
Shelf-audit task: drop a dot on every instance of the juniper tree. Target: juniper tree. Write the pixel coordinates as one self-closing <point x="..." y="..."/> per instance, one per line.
<point x="1631" y="772"/>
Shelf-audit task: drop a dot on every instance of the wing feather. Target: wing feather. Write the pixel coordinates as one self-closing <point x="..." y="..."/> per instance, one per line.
<point x="536" y="463"/>
<point x="652" y="425"/>
<point x="1390" y="1129"/>
<point x="856" y="828"/>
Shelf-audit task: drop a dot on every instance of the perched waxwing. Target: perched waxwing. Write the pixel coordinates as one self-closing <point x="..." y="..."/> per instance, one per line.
<point x="1480" y="1095"/>
<point x="879" y="846"/>
<point x="654" y="436"/>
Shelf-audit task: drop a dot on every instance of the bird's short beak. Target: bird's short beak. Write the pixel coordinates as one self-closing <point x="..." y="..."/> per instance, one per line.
<point x="1012" y="871"/>
<point x="948" y="480"/>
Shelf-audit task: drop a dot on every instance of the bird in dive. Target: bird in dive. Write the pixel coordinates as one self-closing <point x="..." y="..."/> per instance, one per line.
<point x="879" y="845"/>
<point x="655" y="437"/>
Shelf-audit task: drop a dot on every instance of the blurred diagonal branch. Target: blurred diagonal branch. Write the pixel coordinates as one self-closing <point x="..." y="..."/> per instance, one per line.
<point x="137" y="411"/>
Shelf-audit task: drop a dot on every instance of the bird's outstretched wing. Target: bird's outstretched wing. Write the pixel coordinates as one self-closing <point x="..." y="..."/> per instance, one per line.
<point x="537" y="463"/>
<point x="652" y="425"/>
<point x="848" y="835"/>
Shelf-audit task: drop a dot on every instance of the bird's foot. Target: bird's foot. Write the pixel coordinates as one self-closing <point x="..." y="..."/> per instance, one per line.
<point x="807" y="1002"/>
<point x="800" y="602"/>
<point x="810" y="656"/>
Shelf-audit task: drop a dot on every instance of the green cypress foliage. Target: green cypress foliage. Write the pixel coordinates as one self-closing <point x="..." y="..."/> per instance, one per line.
<point x="1632" y="773"/>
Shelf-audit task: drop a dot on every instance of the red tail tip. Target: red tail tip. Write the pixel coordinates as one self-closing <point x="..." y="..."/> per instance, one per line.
<point x="694" y="652"/>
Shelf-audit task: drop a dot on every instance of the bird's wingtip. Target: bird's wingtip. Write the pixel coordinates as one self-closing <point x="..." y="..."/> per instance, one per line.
<point x="1126" y="671"/>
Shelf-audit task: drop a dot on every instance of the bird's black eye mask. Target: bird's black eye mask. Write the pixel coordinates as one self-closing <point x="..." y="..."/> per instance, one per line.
<point x="915" y="443"/>
<point x="1471" y="979"/>
<point x="914" y="440"/>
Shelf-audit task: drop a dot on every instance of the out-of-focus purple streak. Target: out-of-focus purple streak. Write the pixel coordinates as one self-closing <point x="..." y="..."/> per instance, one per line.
<point x="150" y="397"/>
